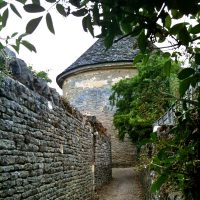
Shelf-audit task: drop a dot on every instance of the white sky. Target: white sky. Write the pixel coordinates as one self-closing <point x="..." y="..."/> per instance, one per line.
<point x="54" y="52"/>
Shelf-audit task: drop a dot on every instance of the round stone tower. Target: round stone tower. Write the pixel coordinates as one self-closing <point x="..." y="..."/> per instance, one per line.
<point x="87" y="86"/>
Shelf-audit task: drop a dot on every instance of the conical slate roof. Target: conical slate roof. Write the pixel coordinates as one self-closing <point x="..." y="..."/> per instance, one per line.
<point x="121" y="51"/>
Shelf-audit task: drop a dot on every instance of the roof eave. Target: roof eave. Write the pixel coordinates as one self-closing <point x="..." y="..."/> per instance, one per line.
<point x="92" y="67"/>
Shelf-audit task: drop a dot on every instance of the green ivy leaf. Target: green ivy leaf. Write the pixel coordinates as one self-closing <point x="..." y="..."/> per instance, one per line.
<point x="5" y="17"/>
<point x="13" y="8"/>
<point x="158" y="183"/>
<point x="33" y="8"/>
<point x="50" y="23"/>
<point x="28" y="45"/>
<point x="142" y="41"/>
<point x="60" y="8"/>
<point x="32" y="25"/>
<point x="185" y="73"/>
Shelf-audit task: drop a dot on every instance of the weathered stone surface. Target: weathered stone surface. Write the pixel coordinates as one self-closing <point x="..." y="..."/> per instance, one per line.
<point x="47" y="152"/>
<point x="89" y="91"/>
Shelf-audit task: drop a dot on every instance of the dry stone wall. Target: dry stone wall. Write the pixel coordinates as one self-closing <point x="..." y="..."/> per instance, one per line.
<point x="46" y="151"/>
<point x="103" y="161"/>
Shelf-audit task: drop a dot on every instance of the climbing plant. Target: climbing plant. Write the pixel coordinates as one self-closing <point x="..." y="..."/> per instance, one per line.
<point x="41" y="74"/>
<point x="142" y="99"/>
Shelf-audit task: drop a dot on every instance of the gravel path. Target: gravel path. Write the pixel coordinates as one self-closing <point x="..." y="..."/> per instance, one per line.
<point x="124" y="186"/>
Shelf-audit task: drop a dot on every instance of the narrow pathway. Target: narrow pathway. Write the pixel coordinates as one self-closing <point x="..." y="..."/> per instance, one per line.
<point x="124" y="186"/>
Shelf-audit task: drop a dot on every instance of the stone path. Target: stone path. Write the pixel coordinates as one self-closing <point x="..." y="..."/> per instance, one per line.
<point x="124" y="186"/>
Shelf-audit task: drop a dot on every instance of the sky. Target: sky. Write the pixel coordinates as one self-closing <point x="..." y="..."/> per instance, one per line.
<point x="54" y="52"/>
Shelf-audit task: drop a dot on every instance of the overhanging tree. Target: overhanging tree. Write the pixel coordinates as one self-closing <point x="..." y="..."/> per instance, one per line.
<point x="177" y="159"/>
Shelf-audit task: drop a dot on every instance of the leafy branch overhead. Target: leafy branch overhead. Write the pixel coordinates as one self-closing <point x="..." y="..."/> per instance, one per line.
<point x="148" y="20"/>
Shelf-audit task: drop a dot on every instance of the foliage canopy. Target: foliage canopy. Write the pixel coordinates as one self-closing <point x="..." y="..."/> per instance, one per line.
<point x="141" y="100"/>
<point x="176" y="159"/>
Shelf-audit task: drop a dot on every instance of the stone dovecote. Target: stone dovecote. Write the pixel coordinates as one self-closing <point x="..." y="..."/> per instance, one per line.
<point x="87" y="85"/>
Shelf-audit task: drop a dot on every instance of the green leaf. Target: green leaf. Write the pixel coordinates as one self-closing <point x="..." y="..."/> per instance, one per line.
<point x="80" y="13"/>
<point x="137" y="58"/>
<point x="84" y="23"/>
<point x="36" y="2"/>
<point x="184" y="36"/>
<point x="184" y="85"/>
<point x="185" y="73"/>
<point x="158" y="183"/>
<point x="5" y="17"/>
<point x="13" y="8"/>
<point x="168" y="21"/>
<point x="60" y="8"/>
<point x="51" y="1"/>
<point x="142" y="41"/>
<point x="33" y="8"/>
<point x="108" y="40"/>
<point x="15" y="47"/>
<point x="3" y="4"/>
<point x="177" y="28"/>
<point x="32" y="25"/>
<point x="96" y="15"/>
<point x="84" y="2"/>
<point x="75" y="3"/>
<point x="176" y="14"/>
<point x="167" y="67"/>
<point x="28" y="45"/>
<point x="197" y="58"/>
<point x="195" y="29"/>
<point x="166" y="55"/>
<point x="136" y="31"/>
<point x="14" y="34"/>
<point x="50" y="23"/>
<point x="89" y="24"/>
<point x="195" y="80"/>
<point x="125" y="27"/>
<point x="154" y="137"/>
